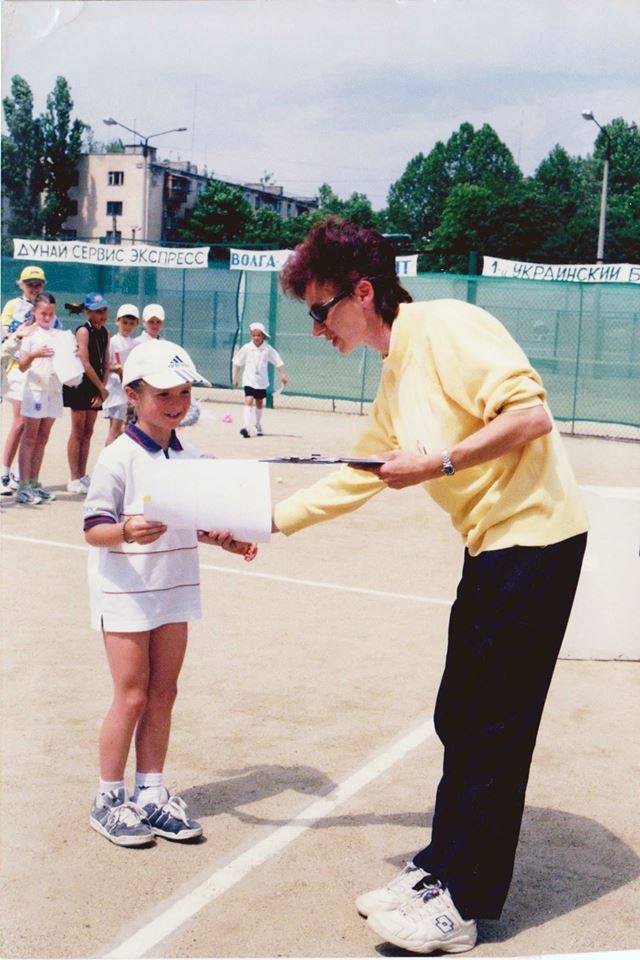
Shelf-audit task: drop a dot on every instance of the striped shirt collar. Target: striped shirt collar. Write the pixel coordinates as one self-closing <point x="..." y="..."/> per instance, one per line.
<point x="142" y="438"/>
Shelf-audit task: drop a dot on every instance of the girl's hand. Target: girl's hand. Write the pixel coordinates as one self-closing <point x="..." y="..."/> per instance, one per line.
<point x="224" y="539"/>
<point x="139" y="530"/>
<point x="43" y="352"/>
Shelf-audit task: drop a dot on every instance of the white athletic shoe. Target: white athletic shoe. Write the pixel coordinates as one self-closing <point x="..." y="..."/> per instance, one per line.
<point x="76" y="486"/>
<point x="425" y="922"/>
<point x="393" y="895"/>
<point x="85" y="481"/>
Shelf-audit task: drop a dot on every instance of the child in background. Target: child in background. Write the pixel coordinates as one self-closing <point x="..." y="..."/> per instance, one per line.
<point x="86" y="399"/>
<point x="120" y="346"/>
<point x="153" y="321"/>
<point x="41" y="399"/>
<point x="15" y="313"/>
<point x="145" y="588"/>
<point x="255" y="357"/>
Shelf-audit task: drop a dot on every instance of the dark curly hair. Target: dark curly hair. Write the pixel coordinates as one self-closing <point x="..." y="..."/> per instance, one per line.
<point x="340" y="252"/>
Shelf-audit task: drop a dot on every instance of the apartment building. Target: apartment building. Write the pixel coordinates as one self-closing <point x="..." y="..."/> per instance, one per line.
<point x="132" y="196"/>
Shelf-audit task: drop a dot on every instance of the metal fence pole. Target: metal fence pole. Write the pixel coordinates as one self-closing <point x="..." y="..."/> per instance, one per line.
<point x="184" y="275"/>
<point x="577" y="373"/>
<point x="363" y="378"/>
<point x="273" y="313"/>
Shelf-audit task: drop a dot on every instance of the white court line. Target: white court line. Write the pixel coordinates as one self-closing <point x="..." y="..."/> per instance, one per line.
<point x="173" y="915"/>
<point x="322" y="584"/>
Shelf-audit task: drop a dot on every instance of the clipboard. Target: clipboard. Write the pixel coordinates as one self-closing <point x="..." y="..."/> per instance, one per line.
<point x="319" y="458"/>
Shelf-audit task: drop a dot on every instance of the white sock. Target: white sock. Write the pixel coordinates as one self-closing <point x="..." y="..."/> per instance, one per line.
<point x="106" y="786"/>
<point x="151" y="786"/>
<point x="258" y="416"/>
<point x="247" y="416"/>
<point x="6" y="470"/>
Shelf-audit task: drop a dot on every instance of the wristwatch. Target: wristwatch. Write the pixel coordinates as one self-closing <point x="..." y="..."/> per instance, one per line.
<point x="448" y="468"/>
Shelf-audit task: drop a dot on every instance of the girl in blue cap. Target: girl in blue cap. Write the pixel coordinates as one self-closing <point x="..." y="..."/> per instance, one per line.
<point x="86" y="399"/>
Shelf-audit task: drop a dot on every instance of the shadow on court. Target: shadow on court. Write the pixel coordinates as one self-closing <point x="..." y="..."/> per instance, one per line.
<point x="252" y="784"/>
<point x="564" y="862"/>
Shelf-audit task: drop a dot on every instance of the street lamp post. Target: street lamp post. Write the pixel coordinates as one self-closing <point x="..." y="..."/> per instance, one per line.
<point x="588" y="115"/>
<point x="110" y="122"/>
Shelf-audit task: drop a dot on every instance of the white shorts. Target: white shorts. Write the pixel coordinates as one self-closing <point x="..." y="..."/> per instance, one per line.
<point x="15" y="383"/>
<point x="39" y="404"/>
<point x="115" y="413"/>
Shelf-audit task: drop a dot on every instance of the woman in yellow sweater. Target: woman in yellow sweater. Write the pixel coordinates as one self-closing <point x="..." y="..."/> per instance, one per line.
<point x="460" y="410"/>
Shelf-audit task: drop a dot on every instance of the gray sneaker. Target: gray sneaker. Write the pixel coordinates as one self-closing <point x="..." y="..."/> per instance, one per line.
<point x="27" y="495"/>
<point x="119" y="820"/>
<point x="45" y="495"/>
<point x="171" y="820"/>
<point x="5" y="489"/>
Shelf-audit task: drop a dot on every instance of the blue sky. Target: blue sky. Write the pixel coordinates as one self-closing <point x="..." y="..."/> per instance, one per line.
<point x="342" y="91"/>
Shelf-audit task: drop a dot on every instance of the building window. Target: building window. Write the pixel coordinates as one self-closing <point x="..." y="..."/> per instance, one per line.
<point x="109" y="236"/>
<point x="73" y="208"/>
<point x="116" y="178"/>
<point x="114" y="208"/>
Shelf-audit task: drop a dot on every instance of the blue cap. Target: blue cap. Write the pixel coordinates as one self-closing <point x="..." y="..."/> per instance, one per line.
<point x="94" y="301"/>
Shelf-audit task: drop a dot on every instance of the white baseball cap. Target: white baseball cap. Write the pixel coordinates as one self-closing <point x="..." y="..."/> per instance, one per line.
<point x="161" y="364"/>
<point x="153" y="310"/>
<point x="260" y="327"/>
<point x="128" y="310"/>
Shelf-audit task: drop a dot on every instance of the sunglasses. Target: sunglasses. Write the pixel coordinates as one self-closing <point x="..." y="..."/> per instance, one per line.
<point x="320" y="311"/>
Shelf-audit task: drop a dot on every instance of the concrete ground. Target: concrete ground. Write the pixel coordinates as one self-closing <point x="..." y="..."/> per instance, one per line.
<point x="301" y="737"/>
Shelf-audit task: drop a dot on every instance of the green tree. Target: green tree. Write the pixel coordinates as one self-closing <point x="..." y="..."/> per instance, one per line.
<point x="416" y="201"/>
<point x="221" y="214"/>
<point x="357" y="207"/>
<point x="22" y="169"/>
<point x="265" y="227"/>
<point x="476" y="217"/>
<point x="62" y="148"/>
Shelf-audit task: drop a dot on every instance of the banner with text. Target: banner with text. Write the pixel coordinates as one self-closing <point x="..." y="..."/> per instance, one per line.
<point x="577" y="272"/>
<point x="271" y="260"/>
<point x="111" y="255"/>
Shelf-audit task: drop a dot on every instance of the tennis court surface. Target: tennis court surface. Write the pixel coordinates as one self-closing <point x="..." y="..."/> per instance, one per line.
<point x="302" y="736"/>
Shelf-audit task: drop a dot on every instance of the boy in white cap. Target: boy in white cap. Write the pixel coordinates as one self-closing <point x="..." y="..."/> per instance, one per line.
<point x="255" y="357"/>
<point x="144" y="588"/>
<point x="120" y="346"/>
<point x="153" y="317"/>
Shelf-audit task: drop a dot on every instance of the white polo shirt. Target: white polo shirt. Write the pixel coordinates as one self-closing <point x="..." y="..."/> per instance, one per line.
<point x="133" y="586"/>
<point x="255" y="361"/>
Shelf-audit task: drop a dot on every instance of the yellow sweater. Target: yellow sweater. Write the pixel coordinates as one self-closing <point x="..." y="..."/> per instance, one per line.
<point x="451" y="369"/>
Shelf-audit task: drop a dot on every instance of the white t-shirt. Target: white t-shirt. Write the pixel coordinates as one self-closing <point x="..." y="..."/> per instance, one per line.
<point x="40" y="376"/>
<point x="133" y="586"/>
<point x="142" y="338"/>
<point x="255" y="361"/>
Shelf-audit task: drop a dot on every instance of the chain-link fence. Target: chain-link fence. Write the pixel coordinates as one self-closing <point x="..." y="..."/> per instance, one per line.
<point x="584" y="339"/>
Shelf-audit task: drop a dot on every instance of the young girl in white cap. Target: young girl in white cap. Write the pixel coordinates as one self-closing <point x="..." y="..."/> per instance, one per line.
<point x="255" y="356"/>
<point x="144" y="589"/>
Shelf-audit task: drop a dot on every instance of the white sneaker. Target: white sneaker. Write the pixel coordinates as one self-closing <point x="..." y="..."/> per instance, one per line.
<point x="76" y="486"/>
<point x="425" y="922"/>
<point x="85" y="481"/>
<point x="393" y="895"/>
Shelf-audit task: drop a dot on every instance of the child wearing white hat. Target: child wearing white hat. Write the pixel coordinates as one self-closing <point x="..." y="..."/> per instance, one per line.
<point x="255" y="356"/>
<point x="120" y="346"/>
<point x="144" y="588"/>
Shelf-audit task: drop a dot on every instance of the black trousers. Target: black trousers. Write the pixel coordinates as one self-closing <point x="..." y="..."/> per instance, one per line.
<point x="505" y="633"/>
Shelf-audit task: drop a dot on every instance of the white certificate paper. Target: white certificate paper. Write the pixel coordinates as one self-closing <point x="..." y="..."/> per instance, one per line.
<point x="66" y="363"/>
<point x="206" y="494"/>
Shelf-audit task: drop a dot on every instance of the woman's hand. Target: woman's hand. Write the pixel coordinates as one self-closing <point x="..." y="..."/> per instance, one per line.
<point x="402" y="469"/>
<point x="224" y="539"/>
<point x="139" y="530"/>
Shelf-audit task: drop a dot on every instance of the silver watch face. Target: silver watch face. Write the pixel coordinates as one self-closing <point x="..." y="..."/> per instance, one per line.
<point x="448" y="469"/>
